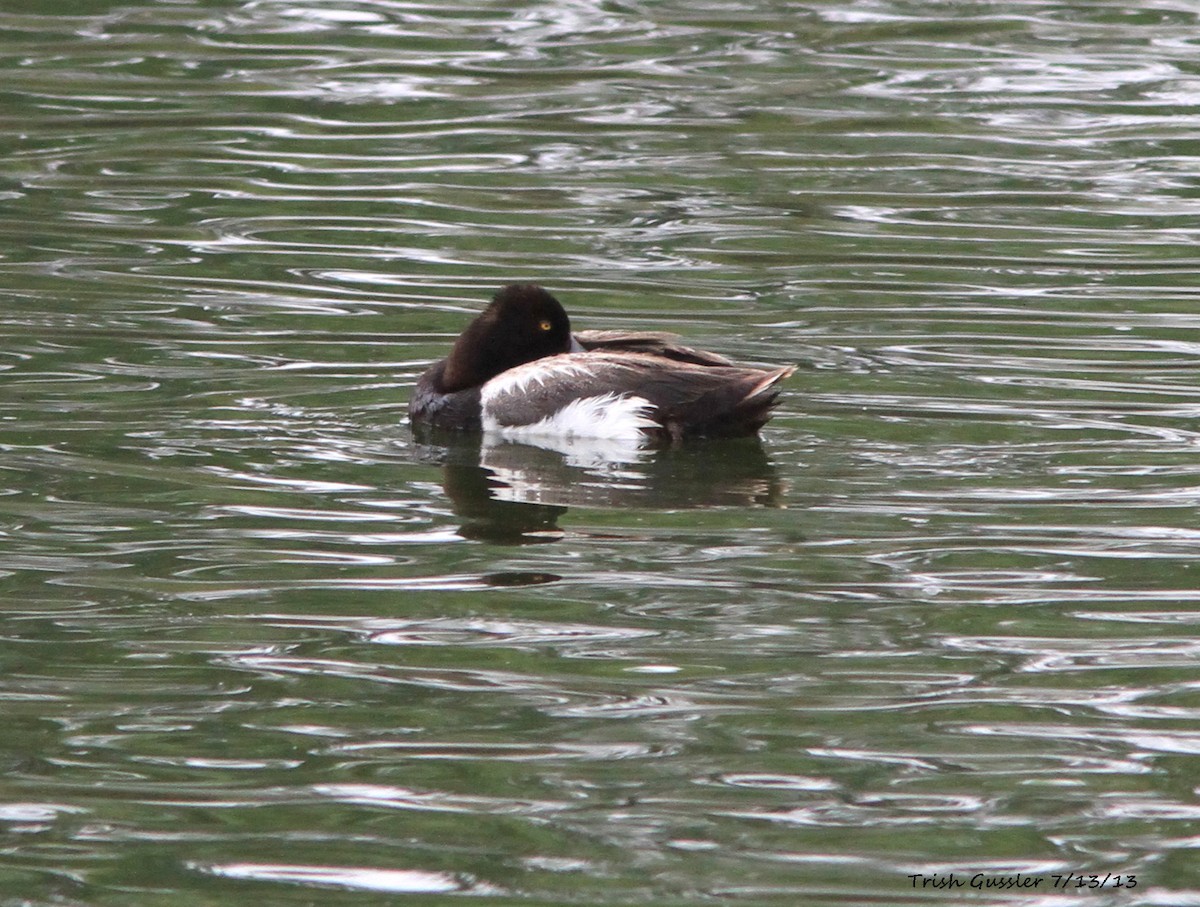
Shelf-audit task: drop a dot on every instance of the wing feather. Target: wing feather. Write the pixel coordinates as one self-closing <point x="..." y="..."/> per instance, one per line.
<point x="682" y="398"/>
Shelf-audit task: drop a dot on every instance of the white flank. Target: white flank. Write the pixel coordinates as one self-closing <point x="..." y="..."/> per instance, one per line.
<point x="615" y="417"/>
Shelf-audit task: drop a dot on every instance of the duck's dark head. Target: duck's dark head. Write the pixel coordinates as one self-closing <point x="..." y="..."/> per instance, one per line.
<point x="523" y="323"/>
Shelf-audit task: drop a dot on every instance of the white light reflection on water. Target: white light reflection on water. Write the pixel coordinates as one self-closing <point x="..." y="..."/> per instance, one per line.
<point x="395" y="881"/>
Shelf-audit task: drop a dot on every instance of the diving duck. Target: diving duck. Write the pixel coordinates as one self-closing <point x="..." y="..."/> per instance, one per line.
<point x="519" y="371"/>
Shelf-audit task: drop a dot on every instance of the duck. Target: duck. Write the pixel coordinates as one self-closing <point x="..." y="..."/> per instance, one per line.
<point x="519" y="371"/>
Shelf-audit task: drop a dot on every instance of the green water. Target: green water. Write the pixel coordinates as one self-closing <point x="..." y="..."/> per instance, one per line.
<point x="261" y="645"/>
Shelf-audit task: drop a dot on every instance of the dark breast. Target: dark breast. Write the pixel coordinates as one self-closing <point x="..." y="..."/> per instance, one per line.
<point x="429" y="406"/>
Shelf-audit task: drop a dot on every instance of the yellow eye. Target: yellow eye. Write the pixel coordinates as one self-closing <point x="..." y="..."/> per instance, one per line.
<point x="545" y="325"/>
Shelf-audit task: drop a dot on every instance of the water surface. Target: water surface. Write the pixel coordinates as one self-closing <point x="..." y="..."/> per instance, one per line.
<point x="261" y="642"/>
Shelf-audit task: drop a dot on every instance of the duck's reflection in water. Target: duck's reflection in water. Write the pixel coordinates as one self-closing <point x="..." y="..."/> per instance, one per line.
<point x="515" y="493"/>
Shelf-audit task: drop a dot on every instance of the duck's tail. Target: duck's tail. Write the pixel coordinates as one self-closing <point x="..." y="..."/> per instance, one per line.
<point x="755" y="408"/>
<point x="737" y="407"/>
